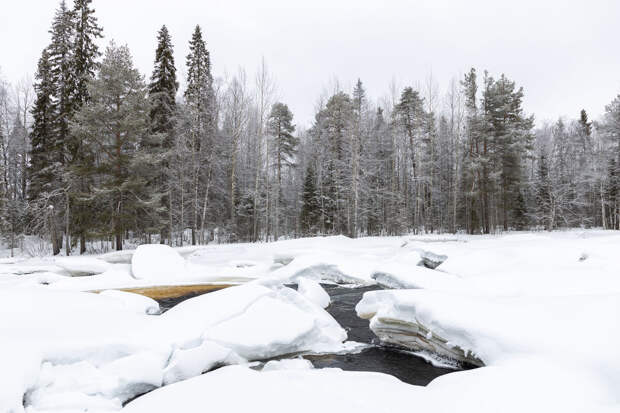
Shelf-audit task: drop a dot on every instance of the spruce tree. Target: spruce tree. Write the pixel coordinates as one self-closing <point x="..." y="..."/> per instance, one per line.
<point x="85" y="55"/>
<point x="63" y="79"/>
<point x="544" y="195"/>
<point x="310" y="207"/>
<point x="162" y="96"/>
<point x="163" y="89"/>
<point x="41" y="174"/>
<point x="200" y="102"/>
<point x="85" y="50"/>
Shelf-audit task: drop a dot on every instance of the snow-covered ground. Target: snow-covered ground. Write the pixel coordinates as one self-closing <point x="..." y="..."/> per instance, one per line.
<point x="541" y="311"/>
<point x="64" y="350"/>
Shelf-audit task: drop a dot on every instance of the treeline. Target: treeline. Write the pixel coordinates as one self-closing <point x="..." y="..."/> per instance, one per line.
<point x="99" y="154"/>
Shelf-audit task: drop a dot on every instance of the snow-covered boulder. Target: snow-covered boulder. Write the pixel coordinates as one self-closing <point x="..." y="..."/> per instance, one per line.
<point x="157" y="262"/>
<point x="313" y="291"/>
<point x="79" y="266"/>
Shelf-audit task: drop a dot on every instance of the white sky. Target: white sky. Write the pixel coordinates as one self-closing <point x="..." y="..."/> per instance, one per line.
<point x="564" y="53"/>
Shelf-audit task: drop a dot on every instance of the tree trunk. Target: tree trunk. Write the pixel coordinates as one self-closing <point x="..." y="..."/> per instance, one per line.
<point x="68" y="236"/>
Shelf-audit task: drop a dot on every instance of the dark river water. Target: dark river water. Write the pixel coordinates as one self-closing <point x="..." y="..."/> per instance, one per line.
<point x="377" y="358"/>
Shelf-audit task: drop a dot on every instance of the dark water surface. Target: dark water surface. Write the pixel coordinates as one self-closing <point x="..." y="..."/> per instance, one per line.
<point x="403" y="365"/>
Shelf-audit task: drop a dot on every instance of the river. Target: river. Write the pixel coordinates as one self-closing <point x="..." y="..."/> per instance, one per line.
<point x="401" y="364"/>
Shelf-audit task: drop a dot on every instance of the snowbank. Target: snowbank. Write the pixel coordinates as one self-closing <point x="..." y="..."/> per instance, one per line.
<point x="96" y="351"/>
<point x="240" y="389"/>
<point x="568" y="343"/>
<point x="313" y="291"/>
<point x="79" y="266"/>
<point x="134" y="302"/>
<point x="157" y="262"/>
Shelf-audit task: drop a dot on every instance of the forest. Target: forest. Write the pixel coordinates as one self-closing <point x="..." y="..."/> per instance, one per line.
<point x="97" y="156"/>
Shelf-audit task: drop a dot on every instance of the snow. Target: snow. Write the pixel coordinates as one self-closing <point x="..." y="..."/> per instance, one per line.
<point x="539" y="310"/>
<point x="156" y="262"/>
<point x="96" y="351"/>
<point x="239" y="389"/>
<point x="187" y="363"/>
<point x="77" y="266"/>
<point x="288" y="364"/>
<point x="134" y="302"/>
<point x="527" y="307"/>
<point x="313" y="291"/>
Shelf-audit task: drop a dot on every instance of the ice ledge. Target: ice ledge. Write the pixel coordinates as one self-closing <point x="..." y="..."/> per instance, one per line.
<point x="416" y="337"/>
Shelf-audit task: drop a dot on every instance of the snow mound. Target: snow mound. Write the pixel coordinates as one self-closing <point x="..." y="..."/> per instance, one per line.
<point x="275" y="391"/>
<point x="71" y="351"/>
<point x="313" y="291"/>
<point x="254" y="321"/>
<point x="117" y="257"/>
<point x="134" y="302"/>
<point x="79" y="266"/>
<point x="157" y="262"/>
<point x="186" y="363"/>
<point x="506" y="334"/>
<point x="288" y="364"/>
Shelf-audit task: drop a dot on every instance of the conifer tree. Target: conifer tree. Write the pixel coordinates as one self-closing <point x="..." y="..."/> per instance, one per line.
<point x="63" y="79"/>
<point x="280" y="127"/>
<point x="84" y="64"/>
<point x="162" y="95"/>
<point x="310" y="207"/>
<point x="113" y="123"/>
<point x="544" y="195"/>
<point x="199" y="99"/>
<point x="40" y="172"/>
<point x="85" y="49"/>
<point x="163" y="89"/>
<point x="470" y="171"/>
<point x="409" y="120"/>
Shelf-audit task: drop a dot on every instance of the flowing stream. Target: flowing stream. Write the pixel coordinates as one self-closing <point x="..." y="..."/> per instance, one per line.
<point x="401" y="364"/>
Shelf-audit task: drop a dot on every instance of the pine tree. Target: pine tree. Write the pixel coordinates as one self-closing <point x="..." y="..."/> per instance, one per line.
<point x="357" y="138"/>
<point x="409" y="119"/>
<point x="280" y="127"/>
<point x="472" y="158"/>
<point x="113" y="123"/>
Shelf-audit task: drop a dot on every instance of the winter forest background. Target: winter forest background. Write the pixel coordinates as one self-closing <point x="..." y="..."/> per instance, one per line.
<point x="95" y="156"/>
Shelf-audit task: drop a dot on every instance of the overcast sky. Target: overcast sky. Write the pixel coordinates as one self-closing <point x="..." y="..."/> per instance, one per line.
<point x="564" y="53"/>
